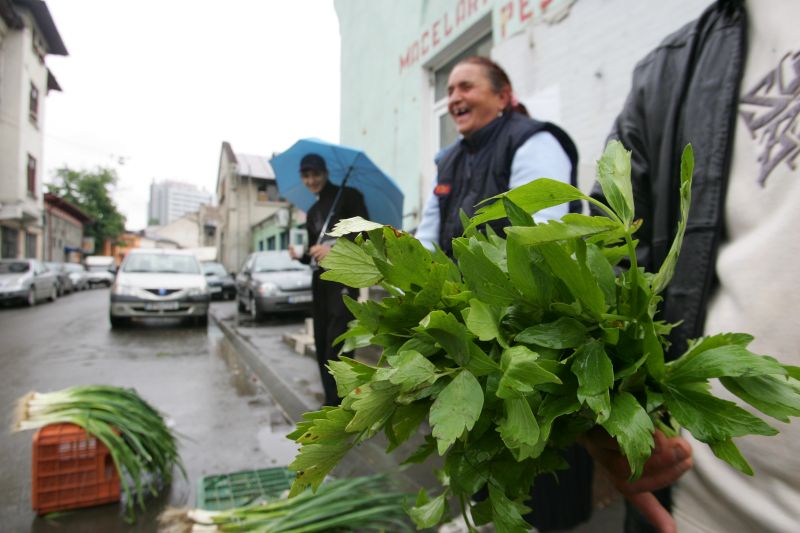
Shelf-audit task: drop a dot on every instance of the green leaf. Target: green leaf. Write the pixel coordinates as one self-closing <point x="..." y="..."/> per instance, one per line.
<point x="711" y="419"/>
<point x="519" y="429"/>
<point x="733" y="361"/>
<point x="603" y="272"/>
<point x="633" y="429"/>
<point x="480" y="364"/>
<point x="776" y="396"/>
<point x="428" y="514"/>
<point x="531" y="198"/>
<point x="576" y="277"/>
<point x="323" y="444"/>
<point x="406" y="258"/>
<point x="667" y="269"/>
<point x="422" y="453"/>
<point x="728" y="452"/>
<point x="373" y="405"/>
<point x="506" y="514"/>
<point x="484" y="321"/>
<point x="562" y="333"/>
<point x="349" y="374"/>
<point x="412" y="370"/>
<point x="404" y="423"/>
<point x="347" y="263"/>
<point x="516" y="215"/>
<point x="528" y="272"/>
<point x="614" y="176"/>
<point x="522" y="373"/>
<point x="451" y="335"/>
<point x="483" y="277"/>
<point x="456" y="409"/>
<point x="571" y="226"/>
<point x="595" y="374"/>
<point x="352" y="225"/>
<point x="432" y="286"/>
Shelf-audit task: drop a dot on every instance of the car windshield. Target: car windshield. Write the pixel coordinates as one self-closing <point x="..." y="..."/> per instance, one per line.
<point x="276" y="263"/>
<point x="161" y="263"/>
<point x="98" y="268"/>
<point x="214" y="268"/>
<point x="74" y="267"/>
<point x="13" y="267"/>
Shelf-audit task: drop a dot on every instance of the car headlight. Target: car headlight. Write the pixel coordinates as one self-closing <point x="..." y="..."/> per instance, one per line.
<point x="267" y="289"/>
<point x="197" y="291"/>
<point x="123" y="290"/>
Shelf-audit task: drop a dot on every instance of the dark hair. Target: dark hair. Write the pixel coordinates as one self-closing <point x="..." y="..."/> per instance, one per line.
<point x="498" y="79"/>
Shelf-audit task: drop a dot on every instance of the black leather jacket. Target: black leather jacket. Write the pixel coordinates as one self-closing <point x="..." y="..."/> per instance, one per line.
<point x="685" y="91"/>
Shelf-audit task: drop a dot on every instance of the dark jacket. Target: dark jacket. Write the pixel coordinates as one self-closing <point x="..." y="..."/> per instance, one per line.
<point x="480" y="167"/>
<point x="351" y="204"/>
<point x="685" y="91"/>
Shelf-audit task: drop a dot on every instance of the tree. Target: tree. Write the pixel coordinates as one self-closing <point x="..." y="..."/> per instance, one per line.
<point x="91" y="191"/>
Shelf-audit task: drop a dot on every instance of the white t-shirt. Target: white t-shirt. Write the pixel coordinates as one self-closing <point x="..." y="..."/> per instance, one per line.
<point x="759" y="288"/>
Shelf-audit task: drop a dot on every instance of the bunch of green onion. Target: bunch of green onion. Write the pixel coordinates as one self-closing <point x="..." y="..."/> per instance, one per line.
<point x="355" y="504"/>
<point x="134" y="432"/>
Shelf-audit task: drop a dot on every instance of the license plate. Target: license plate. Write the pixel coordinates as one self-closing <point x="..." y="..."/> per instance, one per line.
<point x="299" y="299"/>
<point x="162" y="306"/>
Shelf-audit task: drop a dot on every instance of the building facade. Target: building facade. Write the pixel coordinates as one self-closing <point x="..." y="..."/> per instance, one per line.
<point x="280" y="230"/>
<point x="248" y="194"/>
<point x="63" y="230"/>
<point x="27" y="36"/>
<point x="570" y="62"/>
<point x="171" y="200"/>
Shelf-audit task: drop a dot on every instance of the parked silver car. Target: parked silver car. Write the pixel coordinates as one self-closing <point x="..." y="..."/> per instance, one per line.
<point x="63" y="280"/>
<point x="78" y="275"/>
<point x="27" y="281"/>
<point x="272" y="282"/>
<point x="159" y="283"/>
<point x="221" y="285"/>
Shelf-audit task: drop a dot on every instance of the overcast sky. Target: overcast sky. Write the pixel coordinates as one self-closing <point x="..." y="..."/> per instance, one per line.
<point x="153" y="87"/>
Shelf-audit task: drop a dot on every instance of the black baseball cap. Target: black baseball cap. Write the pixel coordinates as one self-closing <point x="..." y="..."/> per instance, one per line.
<point x="313" y="162"/>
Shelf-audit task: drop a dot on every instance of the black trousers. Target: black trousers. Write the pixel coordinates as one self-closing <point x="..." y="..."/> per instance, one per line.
<point x="330" y="320"/>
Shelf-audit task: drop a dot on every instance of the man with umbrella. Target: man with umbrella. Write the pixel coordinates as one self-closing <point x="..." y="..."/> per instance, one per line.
<point x="329" y="312"/>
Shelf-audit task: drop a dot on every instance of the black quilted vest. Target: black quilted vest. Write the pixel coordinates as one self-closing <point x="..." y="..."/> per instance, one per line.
<point x="480" y="167"/>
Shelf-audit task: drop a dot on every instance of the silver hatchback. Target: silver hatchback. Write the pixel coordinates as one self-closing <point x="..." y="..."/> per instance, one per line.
<point x="273" y="282"/>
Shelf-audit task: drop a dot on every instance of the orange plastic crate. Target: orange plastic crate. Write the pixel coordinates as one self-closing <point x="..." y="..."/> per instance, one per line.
<point x="71" y="469"/>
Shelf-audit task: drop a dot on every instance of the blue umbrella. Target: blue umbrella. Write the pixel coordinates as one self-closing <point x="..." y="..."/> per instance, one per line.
<point x="382" y="196"/>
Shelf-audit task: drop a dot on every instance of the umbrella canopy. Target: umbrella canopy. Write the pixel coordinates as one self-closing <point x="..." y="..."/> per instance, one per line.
<point x="382" y="196"/>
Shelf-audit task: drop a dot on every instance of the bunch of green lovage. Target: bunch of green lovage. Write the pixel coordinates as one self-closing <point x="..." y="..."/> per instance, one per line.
<point x="523" y="344"/>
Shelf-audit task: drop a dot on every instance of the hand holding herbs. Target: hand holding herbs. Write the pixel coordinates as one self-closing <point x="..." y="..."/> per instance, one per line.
<point x="523" y="345"/>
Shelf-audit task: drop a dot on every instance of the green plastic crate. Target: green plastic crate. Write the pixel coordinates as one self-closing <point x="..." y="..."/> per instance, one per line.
<point x="226" y="491"/>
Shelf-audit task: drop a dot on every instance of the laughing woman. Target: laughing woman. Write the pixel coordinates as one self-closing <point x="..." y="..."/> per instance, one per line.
<point x="499" y="148"/>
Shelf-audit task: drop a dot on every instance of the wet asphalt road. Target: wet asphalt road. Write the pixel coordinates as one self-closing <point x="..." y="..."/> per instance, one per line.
<point x="191" y="374"/>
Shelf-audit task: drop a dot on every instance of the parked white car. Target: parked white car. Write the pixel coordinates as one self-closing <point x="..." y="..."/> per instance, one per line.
<point x="159" y="283"/>
<point x="78" y="275"/>
<point x="27" y="281"/>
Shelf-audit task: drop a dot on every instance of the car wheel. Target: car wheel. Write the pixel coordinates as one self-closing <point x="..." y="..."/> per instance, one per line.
<point x="241" y="306"/>
<point x="53" y="294"/>
<point x="31" y="298"/>
<point x="201" y="321"/>
<point x="255" y="314"/>
<point x="118" y="321"/>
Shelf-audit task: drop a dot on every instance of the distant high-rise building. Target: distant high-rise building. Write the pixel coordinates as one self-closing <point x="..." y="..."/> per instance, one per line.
<point x="170" y="200"/>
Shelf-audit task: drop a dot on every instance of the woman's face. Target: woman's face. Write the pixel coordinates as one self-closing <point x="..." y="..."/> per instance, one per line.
<point x="472" y="101"/>
<point x="314" y="180"/>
